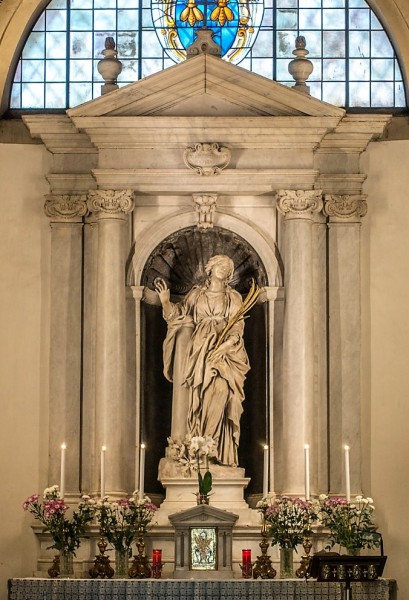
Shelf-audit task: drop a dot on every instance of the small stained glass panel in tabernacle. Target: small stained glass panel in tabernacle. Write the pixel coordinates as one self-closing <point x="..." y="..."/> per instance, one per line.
<point x="203" y="548"/>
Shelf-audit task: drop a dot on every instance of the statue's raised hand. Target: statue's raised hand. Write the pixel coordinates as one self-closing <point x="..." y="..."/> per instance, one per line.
<point x="162" y="290"/>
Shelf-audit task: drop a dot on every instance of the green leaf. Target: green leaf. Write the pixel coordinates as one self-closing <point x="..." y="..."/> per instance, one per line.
<point x="205" y="485"/>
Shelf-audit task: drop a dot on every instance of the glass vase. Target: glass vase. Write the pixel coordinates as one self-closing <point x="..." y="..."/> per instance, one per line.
<point x="121" y="564"/>
<point x="286" y="563"/>
<point x="66" y="565"/>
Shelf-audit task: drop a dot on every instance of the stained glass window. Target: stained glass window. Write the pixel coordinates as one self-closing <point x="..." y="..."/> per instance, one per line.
<point x="354" y="61"/>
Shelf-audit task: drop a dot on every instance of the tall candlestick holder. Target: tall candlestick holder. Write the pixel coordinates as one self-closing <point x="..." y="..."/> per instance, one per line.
<point x="304" y="567"/>
<point x="263" y="566"/>
<point x="140" y="568"/>
<point x="101" y="568"/>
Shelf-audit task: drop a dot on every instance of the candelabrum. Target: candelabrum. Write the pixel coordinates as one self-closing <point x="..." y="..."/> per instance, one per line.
<point x="263" y="567"/>
<point x="140" y="568"/>
<point x="102" y="568"/>
<point x="303" y="569"/>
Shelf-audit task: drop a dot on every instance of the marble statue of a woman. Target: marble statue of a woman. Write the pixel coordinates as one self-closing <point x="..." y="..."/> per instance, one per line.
<point x="214" y="377"/>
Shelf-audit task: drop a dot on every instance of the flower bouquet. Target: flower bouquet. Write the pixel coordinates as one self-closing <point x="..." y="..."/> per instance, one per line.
<point x="350" y="523"/>
<point x="288" y="520"/>
<point x="66" y="533"/>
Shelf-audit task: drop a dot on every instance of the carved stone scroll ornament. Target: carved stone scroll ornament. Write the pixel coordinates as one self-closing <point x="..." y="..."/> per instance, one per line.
<point x="111" y="202"/>
<point x="207" y="159"/>
<point x="205" y="205"/>
<point x="66" y="207"/>
<point x="298" y="204"/>
<point x="345" y="208"/>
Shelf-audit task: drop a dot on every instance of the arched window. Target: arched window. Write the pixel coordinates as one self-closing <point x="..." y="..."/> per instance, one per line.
<point x="354" y="61"/>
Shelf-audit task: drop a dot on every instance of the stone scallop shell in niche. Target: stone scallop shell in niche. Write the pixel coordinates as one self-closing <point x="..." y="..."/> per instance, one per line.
<point x="181" y="258"/>
<point x="207" y="159"/>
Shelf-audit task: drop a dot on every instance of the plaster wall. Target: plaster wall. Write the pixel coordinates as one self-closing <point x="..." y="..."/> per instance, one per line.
<point x="385" y="338"/>
<point x="24" y="287"/>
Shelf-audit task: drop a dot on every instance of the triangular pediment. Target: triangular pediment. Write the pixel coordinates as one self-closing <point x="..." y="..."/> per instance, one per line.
<point x="205" y="86"/>
<point x="203" y="514"/>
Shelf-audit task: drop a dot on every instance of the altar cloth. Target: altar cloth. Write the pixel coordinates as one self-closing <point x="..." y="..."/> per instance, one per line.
<point x="181" y="589"/>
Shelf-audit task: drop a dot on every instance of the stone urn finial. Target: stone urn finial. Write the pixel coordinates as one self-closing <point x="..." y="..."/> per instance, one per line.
<point x="300" y="68"/>
<point x="109" y="67"/>
<point x="203" y="44"/>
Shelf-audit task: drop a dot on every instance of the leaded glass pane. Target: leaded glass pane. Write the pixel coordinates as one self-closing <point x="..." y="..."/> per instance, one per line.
<point x="35" y="45"/>
<point x="81" y="20"/>
<point x="310" y="19"/>
<point x="314" y="42"/>
<point x="56" y="20"/>
<point x="359" y="44"/>
<point x="32" y="95"/>
<point x="382" y="69"/>
<point x="359" y="69"/>
<point x="104" y="19"/>
<point x="358" y="4"/>
<point x="380" y="44"/>
<point x="333" y="70"/>
<point x="287" y="19"/>
<point x="128" y="19"/>
<point x="15" y="99"/>
<point x="104" y="3"/>
<point x="310" y="3"/>
<point x="333" y="3"/>
<point x="55" y="95"/>
<point x="333" y="19"/>
<point x="17" y="76"/>
<point x="399" y="94"/>
<point x="33" y="70"/>
<point x="282" y="71"/>
<point x="81" y="70"/>
<point x="375" y="23"/>
<point x="40" y="25"/>
<point x="56" y="44"/>
<point x="264" y="44"/>
<point x="146" y="18"/>
<point x="268" y="17"/>
<point x="99" y="42"/>
<point x="334" y="93"/>
<point x="315" y="89"/>
<point x="55" y="70"/>
<point x="81" y="3"/>
<point x="58" y="4"/>
<point x="128" y="44"/>
<point x="316" y="75"/>
<point x="128" y="4"/>
<point x="263" y="66"/>
<point x="334" y="43"/>
<point x="150" y="66"/>
<point x="382" y="93"/>
<point x="287" y="3"/>
<point x="81" y="45"/>
<point x="359" y="94"/>
<point x="398" y="74"/>
<point x="285" y="43"/>
<point x="81" y="92"/>
<point x="129" y="71"/>
<point x="359" y="19"/>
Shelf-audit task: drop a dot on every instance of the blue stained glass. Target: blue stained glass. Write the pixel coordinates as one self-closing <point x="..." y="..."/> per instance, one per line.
<point x="81" y="20"/>
<point x="55" y="70"/>
<point x="287" y="19"/>
<point x="55" y="95"/>
<point x="56" y="20"/>
<point x="310" y="19"/>
<point x="333" y="19"/>
<point x="35" y="45"/>
<point x="128" y="19"/>
<point x="380" y="44"/>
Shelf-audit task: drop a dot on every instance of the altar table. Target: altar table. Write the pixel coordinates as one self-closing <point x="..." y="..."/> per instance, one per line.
<point x="180" y="589"/>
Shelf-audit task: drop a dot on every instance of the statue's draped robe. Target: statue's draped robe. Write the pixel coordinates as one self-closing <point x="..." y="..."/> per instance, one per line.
<point x="215" y="386"/>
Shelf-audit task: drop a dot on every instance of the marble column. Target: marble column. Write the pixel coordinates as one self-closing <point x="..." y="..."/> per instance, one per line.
<point x="298" y="208"/>
<point x="137" y="293"/>
<point x="111" y="208"/>
<point x="345" y="213"/>
<point x="66" y="214"/>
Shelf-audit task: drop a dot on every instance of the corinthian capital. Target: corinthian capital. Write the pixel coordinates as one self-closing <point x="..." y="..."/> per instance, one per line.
<point x="299" y="204"/>
<point x="111" y="202"/>
<point x="66" y="207"/>
<point x="345" y="208"/>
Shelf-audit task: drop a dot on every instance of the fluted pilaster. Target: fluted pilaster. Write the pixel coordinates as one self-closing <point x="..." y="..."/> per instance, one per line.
<point x="111" y="209"/>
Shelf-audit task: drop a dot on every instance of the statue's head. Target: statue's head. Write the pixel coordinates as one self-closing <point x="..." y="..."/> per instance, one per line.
<point x="220" y="259"/>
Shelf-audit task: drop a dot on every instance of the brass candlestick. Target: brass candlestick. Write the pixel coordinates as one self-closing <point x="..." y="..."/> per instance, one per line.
<point x="101" y="569"/>
<point x="54" y="570"/>
<point x="263" y="567"/>
<point x="305" y="559"/>
<point x="140" y="568"/>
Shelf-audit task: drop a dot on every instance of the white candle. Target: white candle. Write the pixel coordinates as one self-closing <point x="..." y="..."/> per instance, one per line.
<point x="103" y="450"/>
<point x="62" y="471"/>
<point x="265" y="472"/>
<point x="347" y="475"/>
<point x="307" y="471"/>
<point x="142" y="472"/>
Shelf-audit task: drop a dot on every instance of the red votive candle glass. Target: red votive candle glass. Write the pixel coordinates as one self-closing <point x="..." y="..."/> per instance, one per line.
<point x="156" y="563"/>
<point x="246" y="560"/>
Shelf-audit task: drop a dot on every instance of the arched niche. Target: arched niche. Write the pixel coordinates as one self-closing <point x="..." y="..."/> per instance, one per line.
<point x="179" y="258"/>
